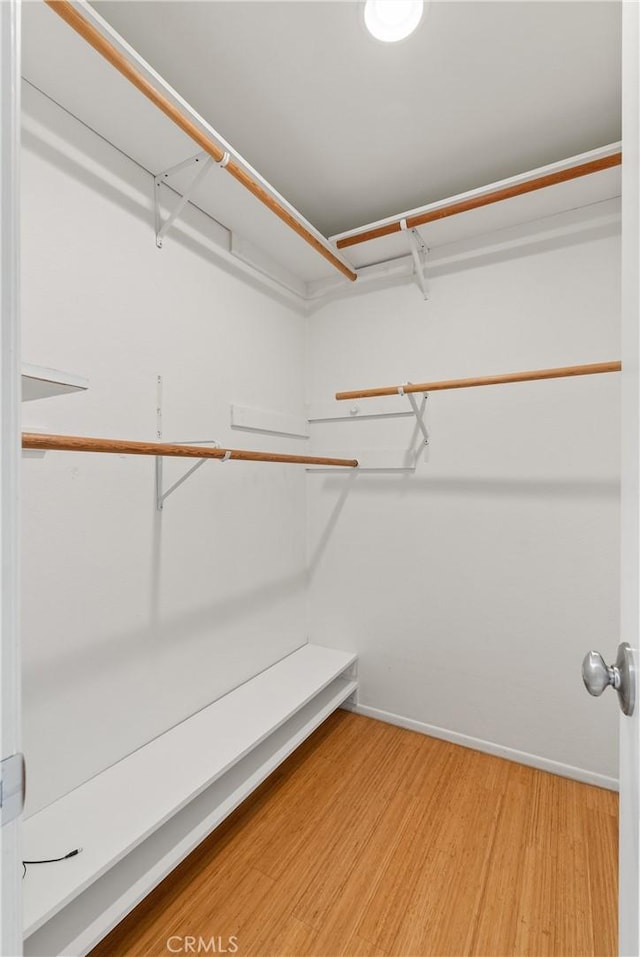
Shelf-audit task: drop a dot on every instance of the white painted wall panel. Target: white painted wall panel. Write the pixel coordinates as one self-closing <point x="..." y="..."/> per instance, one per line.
<point x="131" y="621"/>
<point x="472" y="589"/>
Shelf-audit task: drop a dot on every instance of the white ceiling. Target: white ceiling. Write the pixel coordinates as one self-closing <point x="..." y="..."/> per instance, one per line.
<point x="351" y="130"/>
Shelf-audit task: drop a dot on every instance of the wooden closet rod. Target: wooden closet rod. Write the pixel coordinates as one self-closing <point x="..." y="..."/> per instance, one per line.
<point x="533" y="376"/>
<point x="475" y="202"/>
<point x="80" y="443"/>
<point x="93" y="36"/>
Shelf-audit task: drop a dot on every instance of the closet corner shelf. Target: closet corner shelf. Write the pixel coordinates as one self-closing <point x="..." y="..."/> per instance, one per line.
<point x="38" y="382"/>
<point x="139" y="818"/>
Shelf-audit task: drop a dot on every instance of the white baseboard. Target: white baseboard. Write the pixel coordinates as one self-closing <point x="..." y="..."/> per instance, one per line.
<point x="489" y="747"/>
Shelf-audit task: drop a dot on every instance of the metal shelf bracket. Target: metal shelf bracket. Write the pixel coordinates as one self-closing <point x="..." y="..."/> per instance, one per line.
<point x="418" y="411"/>
<point x="419" y="252"/>
<point x="375" y="461"/>
<point x="202" y="162"/>
<point x="163" y="493"/>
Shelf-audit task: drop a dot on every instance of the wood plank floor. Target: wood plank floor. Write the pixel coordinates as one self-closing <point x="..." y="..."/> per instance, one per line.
<point x="373" y="840"/>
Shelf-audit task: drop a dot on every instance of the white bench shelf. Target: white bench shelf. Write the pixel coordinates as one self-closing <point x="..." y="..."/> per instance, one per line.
<point x="41" y="383"/>
<point x="138" y="819"/>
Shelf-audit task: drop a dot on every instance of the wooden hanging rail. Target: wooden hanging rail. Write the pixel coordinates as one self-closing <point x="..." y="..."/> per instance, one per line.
<point x="71" y="15"/>
<point x="80" y="443"/>
<point x="533" y="376"/>
<point x="430" y="215"/>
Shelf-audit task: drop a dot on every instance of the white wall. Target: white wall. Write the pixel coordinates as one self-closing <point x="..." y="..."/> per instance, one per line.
<point x="473" y="588"/>
<point x="131" y="622"/>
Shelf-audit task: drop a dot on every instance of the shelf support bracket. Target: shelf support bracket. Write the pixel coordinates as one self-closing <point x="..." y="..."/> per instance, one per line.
<point x="163" y="494"/>
<point x="160" y="495"/>
<point x="419" y="252"/>
<point x="203" y="163"/>
<point x="418" y="411"/>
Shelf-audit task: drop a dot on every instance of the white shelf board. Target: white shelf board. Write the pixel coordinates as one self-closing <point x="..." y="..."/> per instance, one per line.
<point x="39" y="382"/>
<point x="88" y="918"/>
<point x="384" y="407"/>
<point x="578" y="193"/>
<point x="114" y="812"/>
<point x="265" y="420"/>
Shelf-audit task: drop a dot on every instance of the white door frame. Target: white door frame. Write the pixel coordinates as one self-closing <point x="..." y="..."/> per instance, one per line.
<point x="629" y="916"/>
<point x="10" y="869"/>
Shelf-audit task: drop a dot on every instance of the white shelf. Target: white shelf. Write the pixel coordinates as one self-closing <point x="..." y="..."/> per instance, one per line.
<point x="63" y="66"/>
<point x="39" y="382"/>
<point x="264" y="420"/>
<point x="88" y="918"/>
<point x="176" y="788"/>
<point x="585" y="191"/>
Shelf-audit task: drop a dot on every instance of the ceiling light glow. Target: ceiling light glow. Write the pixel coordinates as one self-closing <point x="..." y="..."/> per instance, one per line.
<point x="392" y="20"/>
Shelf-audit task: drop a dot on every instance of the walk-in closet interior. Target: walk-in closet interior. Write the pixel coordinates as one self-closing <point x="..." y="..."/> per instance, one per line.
<point x="323" y="369"/>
